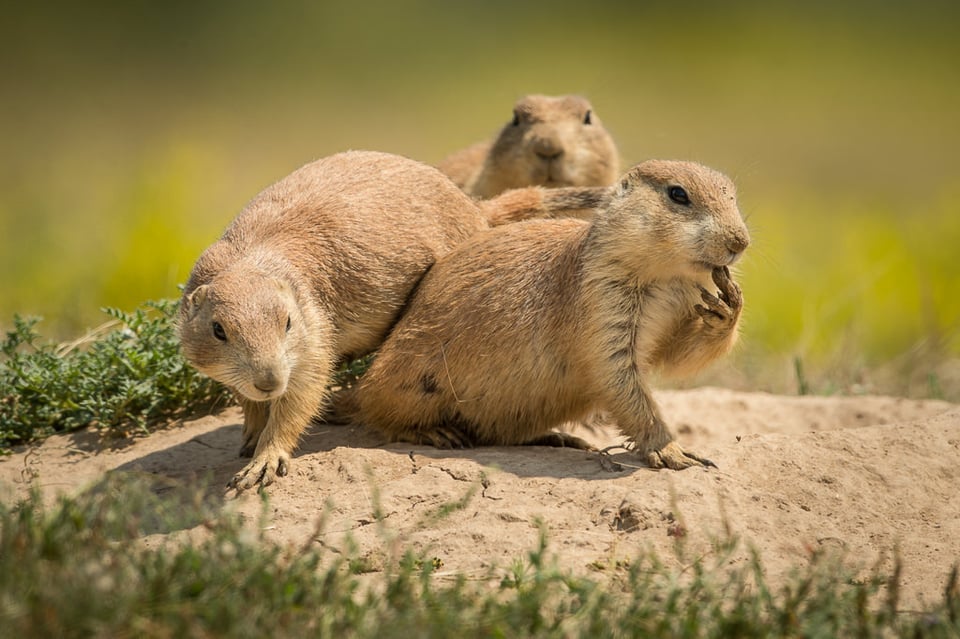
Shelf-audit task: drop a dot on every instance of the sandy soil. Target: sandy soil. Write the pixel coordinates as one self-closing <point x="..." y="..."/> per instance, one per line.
<point x="862" y="475"/>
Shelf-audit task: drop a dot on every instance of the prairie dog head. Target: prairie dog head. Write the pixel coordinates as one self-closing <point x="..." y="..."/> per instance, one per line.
<point x="683" y="215"/>
<point x="550" y="141"/>
<point x="243" y="329"/>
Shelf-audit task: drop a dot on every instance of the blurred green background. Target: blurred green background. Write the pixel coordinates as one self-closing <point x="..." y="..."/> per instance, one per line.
<point x="133" y="132"/>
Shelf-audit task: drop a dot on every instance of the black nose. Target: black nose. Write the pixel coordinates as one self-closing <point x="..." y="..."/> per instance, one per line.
<point x="738" y="243"/>
<point x="266" y="382"/>
<point x="547" y="149"/>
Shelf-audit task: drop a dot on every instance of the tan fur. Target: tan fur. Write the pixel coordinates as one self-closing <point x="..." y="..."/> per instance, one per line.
<point x="335" y="248"/>
<point x="517" y="205"/>
<point x="550" y="141"/>
<point x="530" y="325"/>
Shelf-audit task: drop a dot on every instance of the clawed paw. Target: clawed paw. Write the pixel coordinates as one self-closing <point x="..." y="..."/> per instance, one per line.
<point x="262" y="471"/>
<point x="725" y="308"/>
<point x="446" y="437"/>
<point x="672" y="456"/>
<point x="730" y="292"/>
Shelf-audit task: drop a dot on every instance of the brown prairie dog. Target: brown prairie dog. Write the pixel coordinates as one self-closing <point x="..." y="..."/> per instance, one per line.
<point x="315" y="269"/>
<point x="530" y="325"/>
<point x="550" y="141"/>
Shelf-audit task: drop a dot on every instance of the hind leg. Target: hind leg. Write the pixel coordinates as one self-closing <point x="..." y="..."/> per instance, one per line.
<point x="557" y="439"/>
<point x="448" y="434"/>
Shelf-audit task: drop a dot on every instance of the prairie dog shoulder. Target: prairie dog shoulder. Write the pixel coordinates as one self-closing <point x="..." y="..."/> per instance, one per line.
<point x="530" y="325"/>
<point x="550" y="141"/>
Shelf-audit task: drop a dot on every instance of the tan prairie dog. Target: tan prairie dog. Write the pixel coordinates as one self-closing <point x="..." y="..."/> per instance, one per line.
<point x="315" y="269"/>
<point x="531" y="325"/>
<point x="551" y="142"/>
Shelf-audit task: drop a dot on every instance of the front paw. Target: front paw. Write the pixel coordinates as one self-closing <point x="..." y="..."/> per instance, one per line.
<point x="672" y="456"/>
<point x="264" y="468"/>
<point x="730" y="292"/>
<point x="721" y="312"/>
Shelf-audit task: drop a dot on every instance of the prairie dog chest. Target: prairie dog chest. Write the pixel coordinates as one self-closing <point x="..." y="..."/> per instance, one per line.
<point x="629" y="318"/>
<point x="659" y="310"/>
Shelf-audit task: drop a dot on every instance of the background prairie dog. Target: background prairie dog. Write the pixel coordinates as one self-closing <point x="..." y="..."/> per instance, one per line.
<point x="550" y="141"/>
<point x="315" y="269"/>
<point x="531" y="325"/>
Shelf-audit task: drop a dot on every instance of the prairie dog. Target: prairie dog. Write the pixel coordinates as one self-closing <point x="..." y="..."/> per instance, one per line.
<point x="315" y="269"/>
<point x="550" y="141"/>
<point x="530" y="325"/>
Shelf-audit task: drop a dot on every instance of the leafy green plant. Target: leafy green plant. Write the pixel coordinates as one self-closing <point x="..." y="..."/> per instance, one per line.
<point x="349" y="372"/>
<point x="126" y="374"/>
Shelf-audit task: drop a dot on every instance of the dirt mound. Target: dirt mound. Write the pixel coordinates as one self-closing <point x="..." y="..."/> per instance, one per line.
<point x="863" y="475"/>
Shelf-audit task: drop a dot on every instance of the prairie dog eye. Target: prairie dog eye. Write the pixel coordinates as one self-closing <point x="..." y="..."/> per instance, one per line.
<point x="678" y="195"/>
<point x="587" y="118"/>
<point x="516" y="118"/>
<point x="218" y="332"/>
<point x="288" y="323"/>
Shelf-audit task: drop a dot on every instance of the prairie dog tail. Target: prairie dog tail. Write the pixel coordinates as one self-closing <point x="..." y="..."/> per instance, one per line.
<point x="534" y="202"/>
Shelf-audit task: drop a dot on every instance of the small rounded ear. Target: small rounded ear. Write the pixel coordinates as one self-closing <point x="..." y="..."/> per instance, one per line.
<point x="194" y="300"/>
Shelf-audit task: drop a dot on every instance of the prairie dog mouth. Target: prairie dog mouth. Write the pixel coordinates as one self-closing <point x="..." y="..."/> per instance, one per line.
<point x="731" y="259"/>
<point x="251" y="392"/>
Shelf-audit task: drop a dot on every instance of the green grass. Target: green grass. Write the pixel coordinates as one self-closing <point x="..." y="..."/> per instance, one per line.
<point x="79" y="568"/>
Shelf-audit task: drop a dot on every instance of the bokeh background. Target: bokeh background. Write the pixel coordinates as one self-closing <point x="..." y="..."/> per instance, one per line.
<point x="132" y="132"/>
